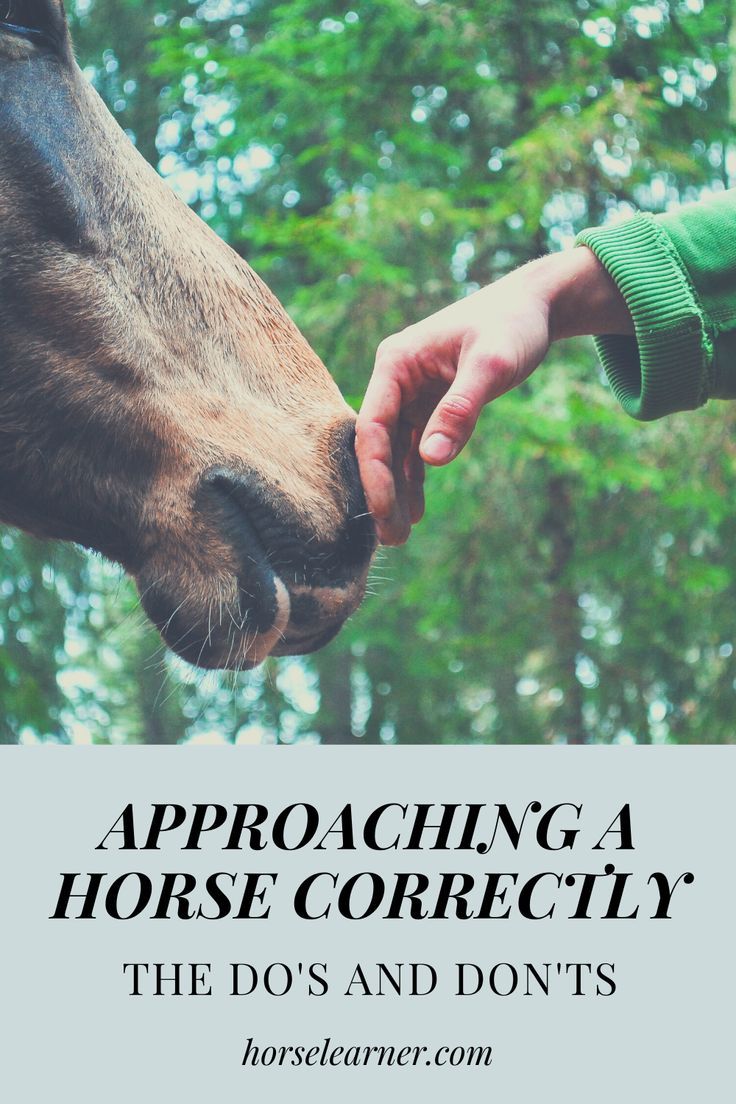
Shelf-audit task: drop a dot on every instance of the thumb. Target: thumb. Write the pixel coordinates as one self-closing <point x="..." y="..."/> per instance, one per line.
<point x="478" y="381"/>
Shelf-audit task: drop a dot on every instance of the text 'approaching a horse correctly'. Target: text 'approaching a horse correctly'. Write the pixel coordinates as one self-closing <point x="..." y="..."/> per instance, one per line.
<point x="156" y="402"/>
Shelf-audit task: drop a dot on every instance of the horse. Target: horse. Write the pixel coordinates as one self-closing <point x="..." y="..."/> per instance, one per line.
<point x="157" y="404"/>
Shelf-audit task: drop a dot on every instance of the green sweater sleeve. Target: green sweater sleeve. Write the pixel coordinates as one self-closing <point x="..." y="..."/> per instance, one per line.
<point x="677" y="272"/>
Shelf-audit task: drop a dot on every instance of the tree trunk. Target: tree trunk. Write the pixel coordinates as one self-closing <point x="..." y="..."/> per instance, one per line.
<point x="559" y="527"/>
<point x="334" y="722"/>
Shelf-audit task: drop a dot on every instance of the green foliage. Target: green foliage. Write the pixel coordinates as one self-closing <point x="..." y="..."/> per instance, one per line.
<point x="575" y="576"/>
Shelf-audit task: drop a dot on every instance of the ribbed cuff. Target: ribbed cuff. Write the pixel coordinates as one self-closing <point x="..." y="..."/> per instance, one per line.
<point x="666" y="366"/>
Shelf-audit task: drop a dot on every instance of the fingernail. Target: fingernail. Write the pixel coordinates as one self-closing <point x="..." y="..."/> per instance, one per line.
<point x="438" y="448"/>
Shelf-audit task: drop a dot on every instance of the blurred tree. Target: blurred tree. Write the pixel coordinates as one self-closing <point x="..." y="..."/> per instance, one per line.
<point x="574" y="579"/>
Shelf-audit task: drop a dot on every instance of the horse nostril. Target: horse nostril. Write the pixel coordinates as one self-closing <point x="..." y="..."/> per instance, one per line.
<point x="267" y="533"/>
<point x="265" y="582"/>
<point x="227" y="499"/>
<point x="359" y="534"/>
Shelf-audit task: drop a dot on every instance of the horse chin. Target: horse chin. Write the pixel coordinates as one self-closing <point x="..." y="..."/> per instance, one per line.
<point x="241" y="650"/>
<point x="216" y="631"/>
<point x="213" y="633"/>
<point x="299" y="645"/>
<point x="292" y="633"/>
<point x="317" y="615"/>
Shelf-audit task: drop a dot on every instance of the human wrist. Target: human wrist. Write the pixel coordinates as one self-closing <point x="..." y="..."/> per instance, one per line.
<point x="580" y="295"/>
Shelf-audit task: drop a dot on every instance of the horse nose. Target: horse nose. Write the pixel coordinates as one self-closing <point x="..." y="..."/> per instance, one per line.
<point x="268" y="581"/>
<point x="270" y="537"/>
<point x="358" y="537"/>
<point x="235" y="505"/>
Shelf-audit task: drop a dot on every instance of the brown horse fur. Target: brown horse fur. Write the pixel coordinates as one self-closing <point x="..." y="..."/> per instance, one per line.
<point x="156" y="402"/>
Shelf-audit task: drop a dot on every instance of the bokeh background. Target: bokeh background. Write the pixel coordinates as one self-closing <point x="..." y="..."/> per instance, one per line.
<point x="575" y="577"/>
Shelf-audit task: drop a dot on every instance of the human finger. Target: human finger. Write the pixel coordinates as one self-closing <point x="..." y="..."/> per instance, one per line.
<point x="479" y="379"/>
<point x="396" y="526"/>
<point x="374" y="444"/>
<point x="414" y="471"/>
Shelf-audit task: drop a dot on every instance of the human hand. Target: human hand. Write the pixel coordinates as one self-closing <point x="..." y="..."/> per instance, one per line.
<point x="431" y="380"/>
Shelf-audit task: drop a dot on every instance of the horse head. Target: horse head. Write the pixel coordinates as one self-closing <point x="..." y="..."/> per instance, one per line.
<point x="156" y="402"/>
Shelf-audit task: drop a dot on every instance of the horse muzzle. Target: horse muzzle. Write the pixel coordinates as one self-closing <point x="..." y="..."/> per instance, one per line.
<point x="286" y="591"/>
